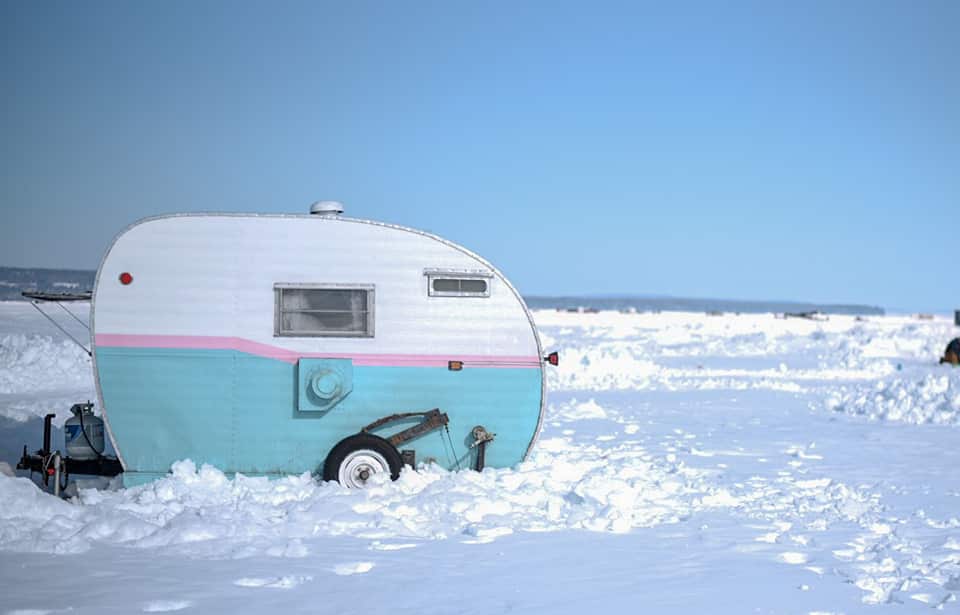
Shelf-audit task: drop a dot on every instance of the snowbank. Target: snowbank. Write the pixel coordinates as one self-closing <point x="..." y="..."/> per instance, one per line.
<point x="203" y="513"/>
<point x="679" y="352"/>
<point x="602" y="487"/>
<point x="40" y="374"/>
<point x="926" y="398"/>
<point x="37" y="363"/>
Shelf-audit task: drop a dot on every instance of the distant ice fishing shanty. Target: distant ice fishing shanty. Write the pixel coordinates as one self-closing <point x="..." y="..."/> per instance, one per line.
<point x="276" y="344"/>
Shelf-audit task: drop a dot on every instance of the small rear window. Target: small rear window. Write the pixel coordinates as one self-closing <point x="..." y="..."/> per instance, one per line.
<point x="448" y="284"/>
<point x="460" y="286"/>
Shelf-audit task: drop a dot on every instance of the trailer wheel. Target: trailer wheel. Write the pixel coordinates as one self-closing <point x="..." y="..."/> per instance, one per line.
<point x="355" y="459"/>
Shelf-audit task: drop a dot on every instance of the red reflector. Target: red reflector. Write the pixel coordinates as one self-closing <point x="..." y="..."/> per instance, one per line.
<point x="553" y="358"/>
<point x="50" y="471"/>
<point x="125" y="278"/>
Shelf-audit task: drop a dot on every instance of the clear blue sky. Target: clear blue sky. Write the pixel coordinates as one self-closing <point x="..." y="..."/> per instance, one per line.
<point x="766" y="150"/>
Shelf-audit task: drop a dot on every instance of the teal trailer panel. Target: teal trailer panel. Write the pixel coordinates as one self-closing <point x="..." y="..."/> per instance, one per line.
<point x="244" y="413"/>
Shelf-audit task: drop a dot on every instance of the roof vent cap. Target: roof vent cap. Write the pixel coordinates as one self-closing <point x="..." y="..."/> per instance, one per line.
<point x="327" y="208"/>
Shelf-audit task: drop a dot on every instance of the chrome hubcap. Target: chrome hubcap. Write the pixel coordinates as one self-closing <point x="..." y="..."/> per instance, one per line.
<point x="359" y="466"/>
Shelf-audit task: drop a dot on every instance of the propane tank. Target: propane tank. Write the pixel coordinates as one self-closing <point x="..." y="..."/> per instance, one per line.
<point x="78" y="446"/>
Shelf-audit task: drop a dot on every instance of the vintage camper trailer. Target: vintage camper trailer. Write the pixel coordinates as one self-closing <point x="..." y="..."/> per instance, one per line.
<point x="269" y="344"/>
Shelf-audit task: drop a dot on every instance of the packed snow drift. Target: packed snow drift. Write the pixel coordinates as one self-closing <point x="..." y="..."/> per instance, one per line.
<point x="688" y="462"/>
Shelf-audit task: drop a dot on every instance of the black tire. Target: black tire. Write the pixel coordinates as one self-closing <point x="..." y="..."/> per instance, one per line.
<point x="360" y="442"/>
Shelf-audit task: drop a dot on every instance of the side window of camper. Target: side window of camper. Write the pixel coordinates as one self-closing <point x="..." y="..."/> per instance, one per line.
<point x="323" y="310"/>
<point x="458" y="284"/>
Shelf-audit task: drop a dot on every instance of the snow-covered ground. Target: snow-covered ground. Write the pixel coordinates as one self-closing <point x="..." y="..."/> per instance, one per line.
<point x="688" y="463"/>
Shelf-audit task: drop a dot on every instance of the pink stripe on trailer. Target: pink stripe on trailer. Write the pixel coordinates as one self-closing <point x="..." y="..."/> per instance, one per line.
<point x="239" y="344"/>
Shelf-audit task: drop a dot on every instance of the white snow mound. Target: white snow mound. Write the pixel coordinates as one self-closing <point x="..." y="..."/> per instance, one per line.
<point x="33" y="363"/>
<point x="930" y="398"/>
<point x="40" y="375"/>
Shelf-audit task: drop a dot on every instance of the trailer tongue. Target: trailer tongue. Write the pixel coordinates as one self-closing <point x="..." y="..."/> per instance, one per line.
<point x="86" y="460"/>
<point x="83" y="433"/>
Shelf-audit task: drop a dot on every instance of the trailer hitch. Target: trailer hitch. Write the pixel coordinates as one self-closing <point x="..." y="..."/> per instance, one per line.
<point x="52" y="465"/>
<point x="41" y="460"/>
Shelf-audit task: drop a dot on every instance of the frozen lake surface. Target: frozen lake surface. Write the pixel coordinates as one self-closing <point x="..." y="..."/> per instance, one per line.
<point x="688" y="463"/>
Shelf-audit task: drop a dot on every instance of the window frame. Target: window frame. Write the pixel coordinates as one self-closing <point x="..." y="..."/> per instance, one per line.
<point x="457" y="274"/>
<point x="278" y="311"/>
